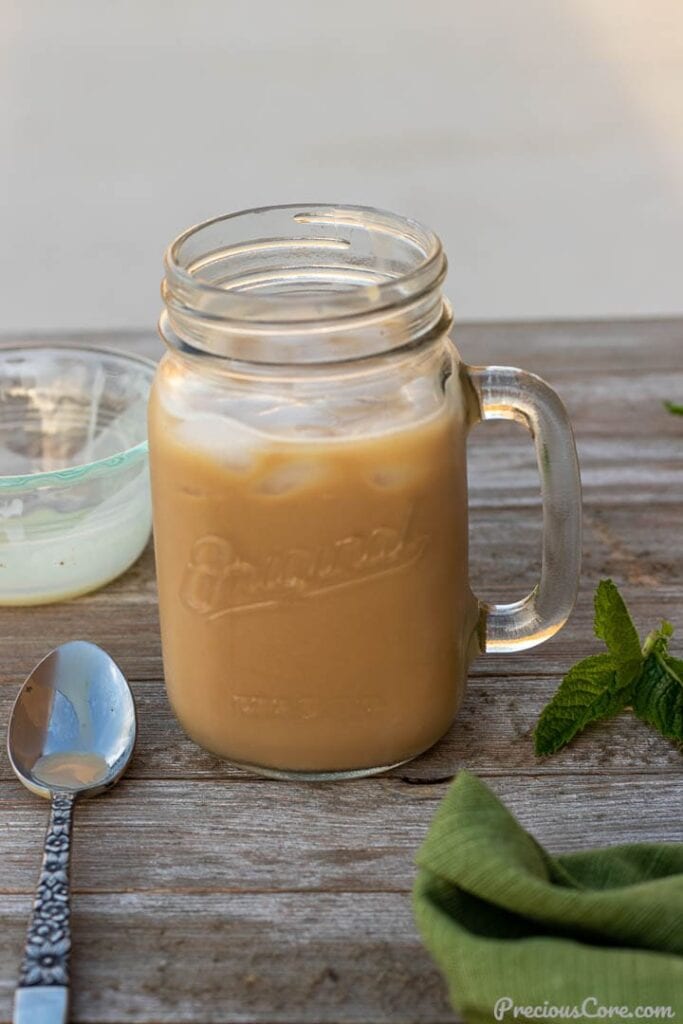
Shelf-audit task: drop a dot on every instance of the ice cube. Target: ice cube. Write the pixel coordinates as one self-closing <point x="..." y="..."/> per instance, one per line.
<point x="226" y="441"/>
<point x="300" y="419"/>
<point x="291" y="476"/>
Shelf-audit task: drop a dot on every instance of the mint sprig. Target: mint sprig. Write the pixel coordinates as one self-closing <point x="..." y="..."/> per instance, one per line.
<point x="646" y="678"/>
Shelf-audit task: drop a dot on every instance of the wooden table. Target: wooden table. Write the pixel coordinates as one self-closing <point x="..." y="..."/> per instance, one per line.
<point x="204" y="894"/>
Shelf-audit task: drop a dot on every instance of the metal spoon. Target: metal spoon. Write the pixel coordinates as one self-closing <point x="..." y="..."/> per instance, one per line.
<point x="71" y="733"/>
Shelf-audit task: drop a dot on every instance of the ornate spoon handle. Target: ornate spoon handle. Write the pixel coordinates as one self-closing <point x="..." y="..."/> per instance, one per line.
<point x="43" y="993"/>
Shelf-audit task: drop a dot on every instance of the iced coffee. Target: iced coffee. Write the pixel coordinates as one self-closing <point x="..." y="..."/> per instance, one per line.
<point x="315" y="609"/>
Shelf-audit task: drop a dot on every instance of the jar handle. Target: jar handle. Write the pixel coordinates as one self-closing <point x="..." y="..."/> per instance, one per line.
<point x="504" y="392"/>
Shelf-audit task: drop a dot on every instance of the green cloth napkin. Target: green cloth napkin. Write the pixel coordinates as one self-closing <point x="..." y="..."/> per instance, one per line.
<point x="506" y="920"/>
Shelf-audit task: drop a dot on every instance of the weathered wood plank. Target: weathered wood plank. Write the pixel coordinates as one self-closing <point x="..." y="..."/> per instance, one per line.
<point x="629" y="471"/>
<point x="242" y="959"/>
<point x="219" y="836"/>
<point x="130" y="633"/>
<point x="565" y="345"/>
<point x="492" y="734"/>
<point x="638" y="545"/>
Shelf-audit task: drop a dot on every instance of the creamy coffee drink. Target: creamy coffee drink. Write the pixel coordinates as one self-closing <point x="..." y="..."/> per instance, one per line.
<point x="313" y="589"/>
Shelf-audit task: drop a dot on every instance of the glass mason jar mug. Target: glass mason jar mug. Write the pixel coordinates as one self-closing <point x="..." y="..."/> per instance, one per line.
<point x="307" y="437"/>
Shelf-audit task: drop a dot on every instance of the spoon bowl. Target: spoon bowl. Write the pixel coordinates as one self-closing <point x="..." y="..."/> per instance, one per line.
<point x="73" y="726"/>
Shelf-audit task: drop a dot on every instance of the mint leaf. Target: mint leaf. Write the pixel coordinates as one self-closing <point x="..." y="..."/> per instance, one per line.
<point x="677" y="410"/>
<point x="658" y="696"/>
<point x="676" y="666"/>
<point x="614" y="625"/>
<point x="591" y="690"/>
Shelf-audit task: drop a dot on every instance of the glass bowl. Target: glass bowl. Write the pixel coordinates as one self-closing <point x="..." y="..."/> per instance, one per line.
<point x="75" y="508"/>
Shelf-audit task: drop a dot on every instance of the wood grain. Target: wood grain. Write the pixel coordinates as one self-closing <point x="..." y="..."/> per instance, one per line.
<point x="227" y="835"/>
<point x="204" y="894"/>
<point x="492" y="734"/>
<point x="292" y="958"/>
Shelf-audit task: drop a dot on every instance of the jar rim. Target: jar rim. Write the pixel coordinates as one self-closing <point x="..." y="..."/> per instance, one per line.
<point x="184" y="258"/>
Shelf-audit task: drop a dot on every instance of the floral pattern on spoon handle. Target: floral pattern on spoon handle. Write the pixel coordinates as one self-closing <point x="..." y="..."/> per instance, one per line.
<point x="48" y="942"/>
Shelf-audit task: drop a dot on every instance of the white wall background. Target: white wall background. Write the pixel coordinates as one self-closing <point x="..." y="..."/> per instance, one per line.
<point x="543" y="139"/>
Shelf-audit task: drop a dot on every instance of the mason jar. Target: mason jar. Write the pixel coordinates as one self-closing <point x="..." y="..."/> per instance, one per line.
<point x="307" y="429"/>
